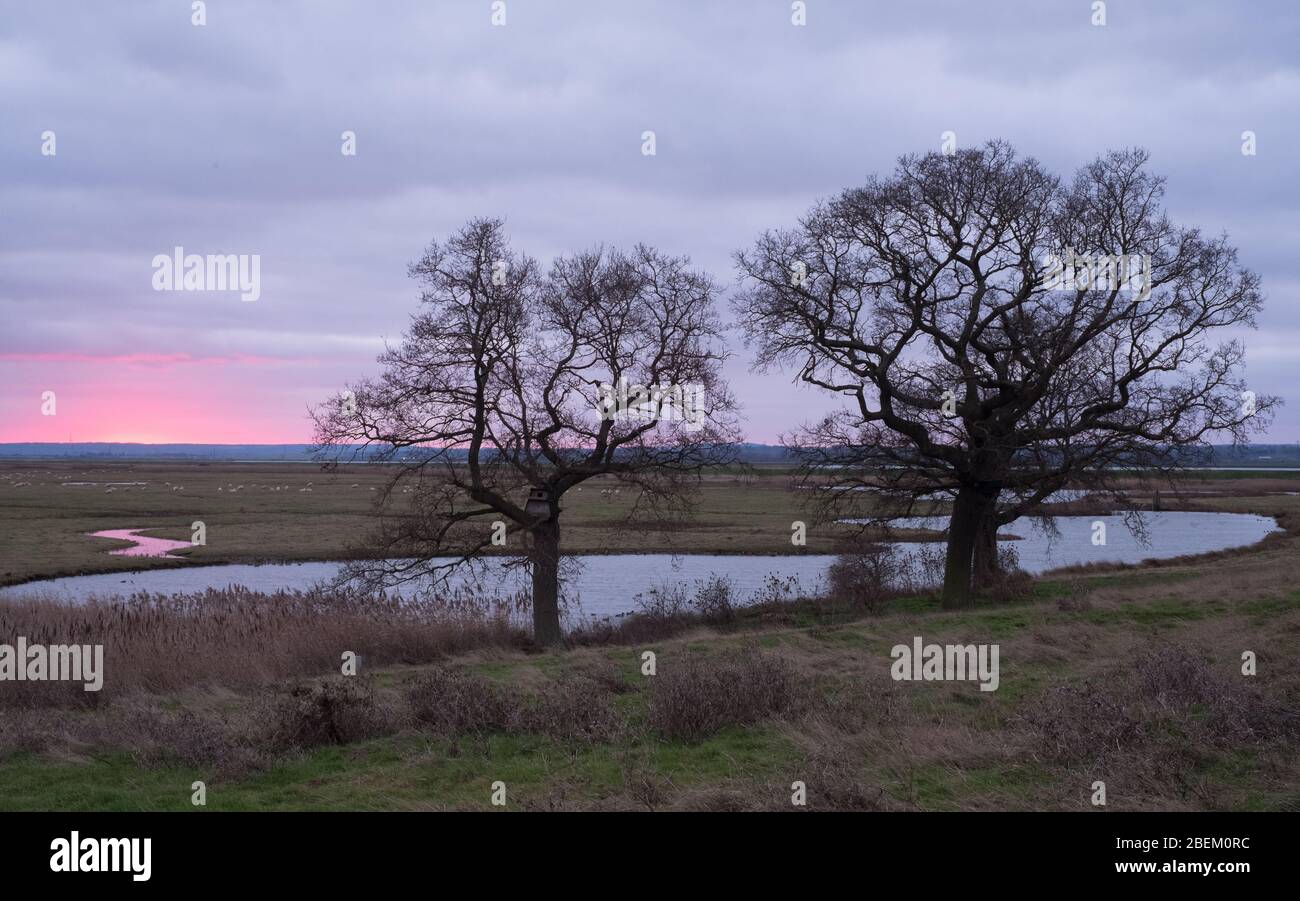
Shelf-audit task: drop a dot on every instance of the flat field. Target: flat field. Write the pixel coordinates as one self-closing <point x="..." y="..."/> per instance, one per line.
<point x="261" y="512"/>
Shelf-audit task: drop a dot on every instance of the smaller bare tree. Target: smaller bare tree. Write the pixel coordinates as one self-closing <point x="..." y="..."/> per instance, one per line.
<point x="512" y="387"/>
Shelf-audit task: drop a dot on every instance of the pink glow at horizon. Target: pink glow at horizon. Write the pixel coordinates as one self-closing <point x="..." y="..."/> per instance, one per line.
<point x="158" y="399"/>
<point x="154" y="398"/>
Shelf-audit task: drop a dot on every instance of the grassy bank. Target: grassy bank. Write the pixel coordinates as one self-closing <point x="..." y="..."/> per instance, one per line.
<point x="1131" y="677"/>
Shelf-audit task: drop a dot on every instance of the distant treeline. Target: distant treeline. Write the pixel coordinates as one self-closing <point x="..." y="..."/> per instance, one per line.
<point x="1262" y="455"/>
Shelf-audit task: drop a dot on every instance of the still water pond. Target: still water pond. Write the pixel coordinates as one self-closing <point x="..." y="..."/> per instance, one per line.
<point x="610" y="585"/>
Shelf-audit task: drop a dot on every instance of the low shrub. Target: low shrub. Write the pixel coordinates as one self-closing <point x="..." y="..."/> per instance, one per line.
<point x="691" y="699"/>
<point x="335" y="711"/>
<point x="714" y="600"/>
<point x="574" y="710"/>
<point x="454" y="702"/>
<point x="1169" y="701"/>
<point x="864" y="578"/>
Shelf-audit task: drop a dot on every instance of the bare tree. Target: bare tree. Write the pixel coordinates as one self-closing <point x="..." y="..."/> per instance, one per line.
<point x="1001" y="335"/>
<point x="509" y="389"/>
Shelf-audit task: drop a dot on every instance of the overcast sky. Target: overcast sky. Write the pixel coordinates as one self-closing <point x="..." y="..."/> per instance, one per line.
<point x="225" y="138"/>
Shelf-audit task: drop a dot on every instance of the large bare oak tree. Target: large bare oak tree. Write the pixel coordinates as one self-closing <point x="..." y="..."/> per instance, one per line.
<point x="1001" y="334"/>
<point x="505" y="394"/>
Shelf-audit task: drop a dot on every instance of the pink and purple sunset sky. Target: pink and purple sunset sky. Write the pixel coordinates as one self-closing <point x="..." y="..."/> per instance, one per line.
<point x="225" y="139"/>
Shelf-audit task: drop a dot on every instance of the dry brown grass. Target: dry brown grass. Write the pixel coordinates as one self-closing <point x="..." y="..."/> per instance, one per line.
<point x="238" y="638"/>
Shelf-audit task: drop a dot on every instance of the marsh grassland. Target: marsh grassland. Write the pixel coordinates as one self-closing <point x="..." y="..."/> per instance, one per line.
<point x="325" y="516"/>
<point x="1129" y="675"/>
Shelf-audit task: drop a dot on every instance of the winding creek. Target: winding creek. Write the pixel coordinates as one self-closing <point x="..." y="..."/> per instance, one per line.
<point x="144" y="545"/>
<point x="610" y="585"/>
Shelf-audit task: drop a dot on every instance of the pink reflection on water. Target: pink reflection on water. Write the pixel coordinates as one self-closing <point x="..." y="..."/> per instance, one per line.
<point x="145" y="546"/>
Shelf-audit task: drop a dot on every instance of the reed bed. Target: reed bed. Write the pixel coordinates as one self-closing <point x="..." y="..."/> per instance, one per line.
<point x="237" y="638"/>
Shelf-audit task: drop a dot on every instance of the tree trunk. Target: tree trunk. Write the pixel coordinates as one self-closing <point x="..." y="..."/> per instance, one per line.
<point x="545" y="559"/>
<point x="985" y="567"/>
<point x="969" y="524"/>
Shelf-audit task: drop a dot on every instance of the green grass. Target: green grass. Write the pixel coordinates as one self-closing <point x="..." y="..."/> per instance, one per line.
<point x="402" y="772"/>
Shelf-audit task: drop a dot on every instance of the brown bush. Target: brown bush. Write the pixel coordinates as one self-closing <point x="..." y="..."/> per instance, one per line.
<point x="574" y="710"/>
<point x="1084" y="721"/>
<point x="453" y="702"/>
<point x="156" y="736"/>
<point x="29" y="731"/>
<point x="714" y="600"/>
<point x="1174" y="682"/>
<point x="1168" y="702"/>
<point x="865" y="578"/>
<point x="690" y="699"/>
<point x="336" y="711"/>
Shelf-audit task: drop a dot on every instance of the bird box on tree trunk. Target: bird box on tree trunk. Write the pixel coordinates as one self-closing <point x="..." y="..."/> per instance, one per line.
<point x="539" y="504"/>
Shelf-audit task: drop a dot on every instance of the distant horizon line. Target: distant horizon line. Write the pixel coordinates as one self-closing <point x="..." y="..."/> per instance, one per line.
<point x="1253" y="444"/>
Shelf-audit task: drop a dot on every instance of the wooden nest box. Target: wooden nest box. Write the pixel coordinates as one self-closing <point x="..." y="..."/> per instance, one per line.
<point x="539" y="504"/>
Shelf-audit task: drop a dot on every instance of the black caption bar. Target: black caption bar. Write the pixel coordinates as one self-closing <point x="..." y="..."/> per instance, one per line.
<point x="140" y="851"/>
